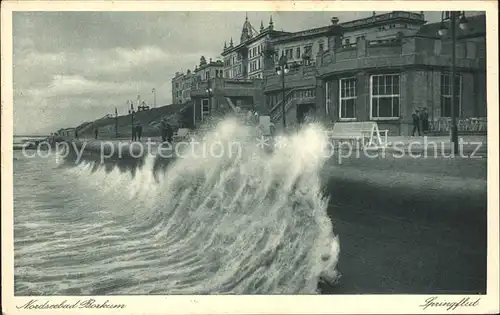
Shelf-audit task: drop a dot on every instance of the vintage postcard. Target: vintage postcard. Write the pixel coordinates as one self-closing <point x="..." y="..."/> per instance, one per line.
<point x="250" y="157"/>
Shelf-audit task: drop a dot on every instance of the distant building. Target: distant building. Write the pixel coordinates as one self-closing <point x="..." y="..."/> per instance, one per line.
<point x="207" y="70"/>
<point x="246" y="60"/>
<point x="181" y="87"/>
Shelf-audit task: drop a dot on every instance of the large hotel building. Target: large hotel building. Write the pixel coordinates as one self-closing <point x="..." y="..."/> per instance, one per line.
<point x="378" y="68"/>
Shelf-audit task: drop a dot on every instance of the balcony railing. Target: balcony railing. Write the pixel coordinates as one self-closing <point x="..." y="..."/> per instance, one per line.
<point x="349" y="46"/>
<point x="473" y="125"/>
<point x="383" y="17"/>
<point x="276" y="114"/>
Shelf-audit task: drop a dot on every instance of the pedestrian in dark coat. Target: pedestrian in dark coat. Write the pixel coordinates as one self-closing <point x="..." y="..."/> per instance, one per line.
<point x="163" y="127"/>
<point x="425" y="121"/>
<point x="416" y="122"/>
<point x="134" y="131"/>
<point x="139" y="130"/>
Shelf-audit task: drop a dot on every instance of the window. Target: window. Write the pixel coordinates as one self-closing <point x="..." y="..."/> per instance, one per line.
<point x="446" y="95"/>
<point x="328" y="96"/>
<point x="308" y="49"/>
<point x="347" y="101"/>
<point x="321" y="46"/>
<point x="258" y="64"/>
<point x="297" y="54"/>
<point x="384" y="96"/>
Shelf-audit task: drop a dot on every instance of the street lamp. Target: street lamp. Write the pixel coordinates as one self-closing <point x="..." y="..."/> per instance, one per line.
<point x="452" y="17"/>
<point x="210" y="93"/>
<point x="281" y="70"/>
<point x="116" y="122"/>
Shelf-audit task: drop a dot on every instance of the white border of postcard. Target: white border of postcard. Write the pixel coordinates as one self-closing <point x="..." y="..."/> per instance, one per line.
<point x="246" y="304"/>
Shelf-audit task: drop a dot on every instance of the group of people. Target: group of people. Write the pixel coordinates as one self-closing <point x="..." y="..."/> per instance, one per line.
<point x="136" y="131"/>
<point x="420" y="122"/>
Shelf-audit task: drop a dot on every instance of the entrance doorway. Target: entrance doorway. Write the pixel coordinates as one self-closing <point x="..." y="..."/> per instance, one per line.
<point x="303" y="110"/>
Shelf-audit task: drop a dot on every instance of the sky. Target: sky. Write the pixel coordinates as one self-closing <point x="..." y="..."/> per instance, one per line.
<point x="72" y="67"/>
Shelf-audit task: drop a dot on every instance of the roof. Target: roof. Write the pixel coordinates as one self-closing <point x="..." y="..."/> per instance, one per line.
<point x="410" y="17"/>
<point x="247" y="31"/>
<point x="476" y="26"/>
<point x="217" y="63"/>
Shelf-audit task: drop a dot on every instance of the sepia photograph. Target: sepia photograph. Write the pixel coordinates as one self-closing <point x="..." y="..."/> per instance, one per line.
<point x="259" y="152"/>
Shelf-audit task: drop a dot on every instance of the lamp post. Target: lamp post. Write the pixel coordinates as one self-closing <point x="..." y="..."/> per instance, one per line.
<point x="131" y="112"/>
<point x="154" y="97"/>
<point x="281" y="70"/>
<point x="210" y="93"/>
<point x="452" y="17"/>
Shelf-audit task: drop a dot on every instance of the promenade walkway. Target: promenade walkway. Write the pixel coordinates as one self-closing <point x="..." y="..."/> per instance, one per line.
<point x="467" y="144"/>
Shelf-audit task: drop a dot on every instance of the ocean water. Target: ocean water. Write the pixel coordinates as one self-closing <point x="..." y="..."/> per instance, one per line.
<point x="250" y="222"/>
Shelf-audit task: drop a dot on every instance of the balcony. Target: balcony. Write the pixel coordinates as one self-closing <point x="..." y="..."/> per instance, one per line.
<point x="228" y="87"/>
<point x="396" y="53"/>
<point x="302" y="77"/>
<point x="384" y="18"/>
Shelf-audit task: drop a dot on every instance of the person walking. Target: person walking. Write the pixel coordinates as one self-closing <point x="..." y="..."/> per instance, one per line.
<point x="139" y="130"/>
<point x="425" y="121"/>
<point x="134" y="131"/>
<point x="416" y="122"/>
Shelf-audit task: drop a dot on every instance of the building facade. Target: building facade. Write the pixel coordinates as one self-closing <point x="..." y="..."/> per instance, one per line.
<point x="387" y="73"/>
<point x="247" y="60"/>
<point x="177" y="88"/>
<point x="207" y="70"/>
<point x="378" y="68"/>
